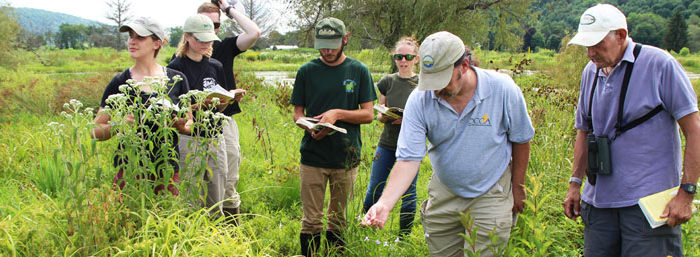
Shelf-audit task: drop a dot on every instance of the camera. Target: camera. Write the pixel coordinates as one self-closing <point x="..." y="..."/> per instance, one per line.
<point x="599" y="161"/>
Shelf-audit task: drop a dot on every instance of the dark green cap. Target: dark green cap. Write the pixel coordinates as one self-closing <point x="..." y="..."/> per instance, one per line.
<point x="329" y="33"/>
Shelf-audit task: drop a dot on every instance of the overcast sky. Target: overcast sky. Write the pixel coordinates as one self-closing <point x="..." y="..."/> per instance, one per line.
<point x="169" y="13"/>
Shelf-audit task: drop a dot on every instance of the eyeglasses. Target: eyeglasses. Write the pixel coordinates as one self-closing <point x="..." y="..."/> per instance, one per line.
<point x="217" y="25"/>
<point x="398" y="57"/>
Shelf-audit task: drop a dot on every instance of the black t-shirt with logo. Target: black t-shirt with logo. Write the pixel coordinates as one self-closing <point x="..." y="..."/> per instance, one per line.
<point x="201" y="75"/>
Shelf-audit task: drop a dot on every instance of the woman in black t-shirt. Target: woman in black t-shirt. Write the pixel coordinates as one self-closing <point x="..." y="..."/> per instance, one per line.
<point x="146" y="38"/>
<point x="204" y="73"/>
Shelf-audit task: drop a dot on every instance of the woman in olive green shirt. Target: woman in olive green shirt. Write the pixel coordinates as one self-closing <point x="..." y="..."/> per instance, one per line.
<point x="394" y="90"/>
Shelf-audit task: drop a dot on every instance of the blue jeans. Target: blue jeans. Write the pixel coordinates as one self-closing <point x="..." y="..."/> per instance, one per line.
<point x="384" y="160"/>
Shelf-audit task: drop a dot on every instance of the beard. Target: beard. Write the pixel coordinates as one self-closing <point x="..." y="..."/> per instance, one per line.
<point x="337" y="56"/>
<point x="446" y="93"/>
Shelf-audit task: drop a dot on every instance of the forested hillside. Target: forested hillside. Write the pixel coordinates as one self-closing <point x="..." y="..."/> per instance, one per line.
<point x="40" y="21"/>
<point x="647" y="20"/>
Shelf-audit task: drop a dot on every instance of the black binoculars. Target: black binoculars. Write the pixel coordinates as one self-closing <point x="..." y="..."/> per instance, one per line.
<point x="599" y="162"/>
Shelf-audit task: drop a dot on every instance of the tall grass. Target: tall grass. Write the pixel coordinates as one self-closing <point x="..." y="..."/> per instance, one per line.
<point x="57" y="198"/>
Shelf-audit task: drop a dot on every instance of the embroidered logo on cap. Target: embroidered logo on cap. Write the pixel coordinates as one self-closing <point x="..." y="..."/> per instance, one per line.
<point x="326" y="32"/>
<point x="428" y="61"/>
<point x="587" y="19"/>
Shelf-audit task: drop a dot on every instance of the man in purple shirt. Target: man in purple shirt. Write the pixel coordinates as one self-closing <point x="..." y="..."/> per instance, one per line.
<point x="638" y="129"/>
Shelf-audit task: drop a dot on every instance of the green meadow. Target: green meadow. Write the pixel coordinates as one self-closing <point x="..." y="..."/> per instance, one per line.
<point x="57" y="197"/>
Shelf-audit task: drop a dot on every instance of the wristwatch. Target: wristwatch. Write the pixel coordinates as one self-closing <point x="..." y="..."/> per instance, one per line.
<point x="226" y="11"/>
<point x="690" y="188"/>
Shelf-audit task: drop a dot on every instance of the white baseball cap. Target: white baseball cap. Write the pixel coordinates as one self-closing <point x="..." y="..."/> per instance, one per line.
<point x="596" y="23"/>
<point x="438" y="53"/>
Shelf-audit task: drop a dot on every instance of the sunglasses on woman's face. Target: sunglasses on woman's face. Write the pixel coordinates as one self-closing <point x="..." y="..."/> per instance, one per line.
<point x="409" y="57"/>
<point x="217" y="25"/>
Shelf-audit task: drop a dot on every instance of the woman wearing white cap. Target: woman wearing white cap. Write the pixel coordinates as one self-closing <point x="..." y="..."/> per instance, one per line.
<point x="146" y="38"/>
<point x="203" y="73"/>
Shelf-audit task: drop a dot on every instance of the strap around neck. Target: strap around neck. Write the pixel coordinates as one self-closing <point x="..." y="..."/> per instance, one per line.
<point x="623" y="93"/>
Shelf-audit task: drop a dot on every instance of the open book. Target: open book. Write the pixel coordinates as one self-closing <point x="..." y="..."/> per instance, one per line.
<point x="313" y="124"/>
<point x="393" y="112"/>
<point x="216" y="90"/>
<point x="654" y="205"/>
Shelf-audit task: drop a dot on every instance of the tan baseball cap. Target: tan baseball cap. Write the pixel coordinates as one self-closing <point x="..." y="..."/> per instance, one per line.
<point x="596" y="23"/>
<point x="201" y="27"/>
<point x="438" y="52"/>
<point x="144" y="26"/>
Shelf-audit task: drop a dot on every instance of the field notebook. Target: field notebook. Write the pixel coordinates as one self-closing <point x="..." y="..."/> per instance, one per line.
<point x="654" y="205"/>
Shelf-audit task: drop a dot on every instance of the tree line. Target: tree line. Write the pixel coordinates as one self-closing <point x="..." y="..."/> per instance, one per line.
<point x="505" y="25"/>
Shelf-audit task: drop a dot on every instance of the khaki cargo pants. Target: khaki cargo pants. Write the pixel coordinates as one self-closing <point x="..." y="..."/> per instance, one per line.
<point x="491" y="211"/>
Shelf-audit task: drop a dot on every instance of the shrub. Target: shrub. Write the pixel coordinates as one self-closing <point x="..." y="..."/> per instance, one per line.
<point x="684" y="51"/>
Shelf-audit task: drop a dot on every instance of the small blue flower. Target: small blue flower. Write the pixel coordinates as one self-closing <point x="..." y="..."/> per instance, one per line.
<point x="366" y="239"/>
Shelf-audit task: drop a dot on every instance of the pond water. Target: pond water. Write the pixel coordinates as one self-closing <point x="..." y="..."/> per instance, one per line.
<point x="274" y="77"/>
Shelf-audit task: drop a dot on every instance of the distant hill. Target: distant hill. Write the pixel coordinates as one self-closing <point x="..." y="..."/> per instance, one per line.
<point x="40" y="21"/>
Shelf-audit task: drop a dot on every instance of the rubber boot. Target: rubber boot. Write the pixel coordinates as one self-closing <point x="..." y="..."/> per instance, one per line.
<point x="309" y="244"/>
<point x="335" y="240"/>
<point x="232" y="216"/>
<point x="405" y="224"/>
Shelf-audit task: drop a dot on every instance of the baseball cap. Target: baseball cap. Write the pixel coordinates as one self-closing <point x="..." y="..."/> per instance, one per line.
<point x="438" y="52"/>
<point x="201" y="27"/>
<point x="329" y="33"/>
<point x="596" y="23"/>
<point x="144" y="26"/>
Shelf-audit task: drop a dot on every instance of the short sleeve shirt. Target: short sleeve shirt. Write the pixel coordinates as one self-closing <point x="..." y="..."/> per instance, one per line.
<point x="469" y="151"/>
<point x="201" y="75"/>
<point x="645" y="159"/>
<point x="396" y="90"/>
<point x="319" y="88"/>
<point x="174" y="91"/>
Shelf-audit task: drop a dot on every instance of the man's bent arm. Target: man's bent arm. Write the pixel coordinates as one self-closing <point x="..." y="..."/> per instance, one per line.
<point x="251" y="31"/>
<point x="360" y="116"/>
<point x="678" y="210"/>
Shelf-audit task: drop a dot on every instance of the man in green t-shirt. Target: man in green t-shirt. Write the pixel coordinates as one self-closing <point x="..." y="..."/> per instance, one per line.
<point x="338" y="90"/>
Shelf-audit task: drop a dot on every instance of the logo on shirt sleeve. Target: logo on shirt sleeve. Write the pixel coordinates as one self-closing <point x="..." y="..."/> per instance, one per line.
<point x="349" y="85"/>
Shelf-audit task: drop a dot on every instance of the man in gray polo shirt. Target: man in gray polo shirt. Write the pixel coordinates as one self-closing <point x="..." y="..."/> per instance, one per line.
<point x="478" y="128"/>
<point x="645" y="158"/>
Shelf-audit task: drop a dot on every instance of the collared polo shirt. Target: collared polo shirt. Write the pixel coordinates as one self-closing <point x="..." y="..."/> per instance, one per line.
<point x="647" y="158"/>
<point x="469" y="151"/>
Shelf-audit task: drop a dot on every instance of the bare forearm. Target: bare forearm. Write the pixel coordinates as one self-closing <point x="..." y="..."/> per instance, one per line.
<point x="580" y="155"/>
<point x="251" y="31"/>
<point x="101" y="131"/>
<point x="521" y="155"/>
<point x="360" y="116"/>
<point x="691" y="161"/>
